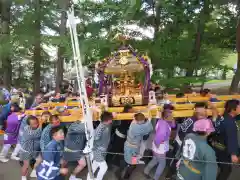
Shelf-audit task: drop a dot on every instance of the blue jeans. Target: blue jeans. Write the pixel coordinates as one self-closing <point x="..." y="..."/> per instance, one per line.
<point x="158" y="160"/>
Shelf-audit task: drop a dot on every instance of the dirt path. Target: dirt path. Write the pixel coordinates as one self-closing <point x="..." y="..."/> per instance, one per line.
<point x="11" y="171"/>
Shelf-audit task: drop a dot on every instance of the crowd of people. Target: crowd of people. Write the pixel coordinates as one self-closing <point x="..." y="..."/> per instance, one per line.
<point x="191" y="148"/>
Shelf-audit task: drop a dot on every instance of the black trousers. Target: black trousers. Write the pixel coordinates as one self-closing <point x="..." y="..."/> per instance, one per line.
<point x="125" y="171"/>
<point x="116" y="146"/>
<point x="224" y="169"/>
<point x="172" y="170"/>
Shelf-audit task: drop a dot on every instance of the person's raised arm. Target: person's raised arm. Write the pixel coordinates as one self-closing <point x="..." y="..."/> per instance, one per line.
<point x="44" y="136"/>
<point x="158" y="114"/>
<point x="98" y="133"/>
<point x="214" y="109"/>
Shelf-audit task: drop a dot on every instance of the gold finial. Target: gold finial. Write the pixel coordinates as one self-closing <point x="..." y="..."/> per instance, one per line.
<point x="120" y="37"/>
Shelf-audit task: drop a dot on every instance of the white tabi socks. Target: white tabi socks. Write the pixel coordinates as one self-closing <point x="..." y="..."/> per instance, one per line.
<point x="73" y="177"/>
<point x="24" y="178"/>
<point x="33" y="173"/>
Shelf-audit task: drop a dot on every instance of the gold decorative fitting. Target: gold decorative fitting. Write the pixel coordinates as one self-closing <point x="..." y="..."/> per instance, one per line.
<point x="123" y="60"/>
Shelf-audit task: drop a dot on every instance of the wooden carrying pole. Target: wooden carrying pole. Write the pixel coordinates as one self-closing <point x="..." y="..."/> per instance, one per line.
<point x="86" y="111"/>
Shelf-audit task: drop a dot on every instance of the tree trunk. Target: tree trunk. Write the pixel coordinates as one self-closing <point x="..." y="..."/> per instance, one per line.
<point x="204" y="16"/>
<point x="37" y="58"/>
<point x="63" y="4"/>
<point x="157" y="9"/>
<point x="5" y="40"/>
<point x="236" y="78"/>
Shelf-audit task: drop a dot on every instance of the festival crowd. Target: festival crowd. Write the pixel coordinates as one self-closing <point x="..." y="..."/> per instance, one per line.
<point x="198" y="147"/>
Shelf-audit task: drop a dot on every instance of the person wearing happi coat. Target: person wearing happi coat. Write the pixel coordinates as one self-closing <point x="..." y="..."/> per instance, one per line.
<point x="101" y="141"/>
<point x="45" y="139"/>
<point x="74" y="144"/>
<point x="45" y="119"/>
<point x="186" y="127"/>
<point x="50" y="167"/>
<point x="11" y="132"/>
<point x="23" y="123"/>
<point x="6" y="109"/>
<point x="118" y="138"/>
<point x="137" y="130"/>
<point x="30" y="144"/>
<point x="198" y="159"/>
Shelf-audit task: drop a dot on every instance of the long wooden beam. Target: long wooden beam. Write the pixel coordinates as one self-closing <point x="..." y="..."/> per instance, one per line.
<point x="120" y="109"/>
<point x="193" y="99"/>
<point x="127" y="116"/>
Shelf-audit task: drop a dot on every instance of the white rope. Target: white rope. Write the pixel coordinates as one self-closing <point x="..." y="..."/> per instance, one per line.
<point x="163" y="157"/>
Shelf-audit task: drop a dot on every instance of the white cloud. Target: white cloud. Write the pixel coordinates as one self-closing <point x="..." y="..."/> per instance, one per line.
<point x="149" y="32"/>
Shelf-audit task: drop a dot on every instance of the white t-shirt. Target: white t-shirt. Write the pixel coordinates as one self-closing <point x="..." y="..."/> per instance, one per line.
<point x="162" y="148"/>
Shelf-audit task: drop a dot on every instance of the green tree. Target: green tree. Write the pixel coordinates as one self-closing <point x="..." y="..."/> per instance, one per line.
<point x="63" y="4"/>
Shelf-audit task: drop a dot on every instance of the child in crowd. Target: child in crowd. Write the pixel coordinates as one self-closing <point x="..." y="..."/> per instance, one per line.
<point x="101" y="142"/>
<point x="11" y="133"/>
<point x="198" y="160"/>
<point x="50" y="166"/>
<point x="30" y="144"/>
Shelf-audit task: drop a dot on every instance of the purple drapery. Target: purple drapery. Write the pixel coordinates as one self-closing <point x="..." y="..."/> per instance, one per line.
<point x="147" y="74"/>
<point x="101" y="82"/>
<point x="101" y="74"/>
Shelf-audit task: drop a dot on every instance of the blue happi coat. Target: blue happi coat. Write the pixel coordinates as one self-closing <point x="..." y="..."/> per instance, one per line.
<point x="135" y="135"/>
<point x="21" y="129"/>
<point x="30" y="142"/>
<point x="5" y="112"/>
<point x="45" y="137"/>
<point x="49" y="169"/>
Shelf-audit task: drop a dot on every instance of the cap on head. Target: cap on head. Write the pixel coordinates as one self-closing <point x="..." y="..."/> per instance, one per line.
<point x="203" y="125"/>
